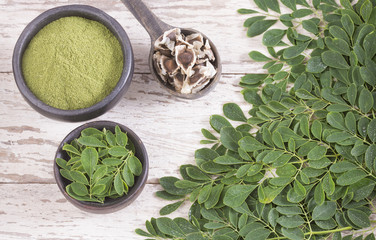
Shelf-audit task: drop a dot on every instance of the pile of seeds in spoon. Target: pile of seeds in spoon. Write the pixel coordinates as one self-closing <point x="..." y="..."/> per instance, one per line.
<point x="184" y="62"/>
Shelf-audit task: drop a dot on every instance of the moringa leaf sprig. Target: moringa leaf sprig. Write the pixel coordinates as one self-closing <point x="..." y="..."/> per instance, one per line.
<point x="303" y="164"/>
<point x="101" y="165"/>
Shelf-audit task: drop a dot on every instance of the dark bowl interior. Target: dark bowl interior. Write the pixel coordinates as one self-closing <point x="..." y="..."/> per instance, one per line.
<point x="110" y="205"/>
<point x="87" y="12"/>
<point x="210" y="86"/>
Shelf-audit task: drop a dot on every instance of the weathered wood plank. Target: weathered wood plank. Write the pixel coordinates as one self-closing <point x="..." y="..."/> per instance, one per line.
<point x="39" y="211"/>
<point x="217" y="19"/>
<point x="169" y="126"/>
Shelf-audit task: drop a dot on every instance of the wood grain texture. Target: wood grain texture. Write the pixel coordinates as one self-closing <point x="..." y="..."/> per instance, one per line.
<point x="46" y="214"/>
<point x="31" y="206"/>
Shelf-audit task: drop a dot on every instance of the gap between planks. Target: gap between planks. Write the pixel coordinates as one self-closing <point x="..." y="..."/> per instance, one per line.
<point x="225" y="74"/>
<point x="48" y="183"/>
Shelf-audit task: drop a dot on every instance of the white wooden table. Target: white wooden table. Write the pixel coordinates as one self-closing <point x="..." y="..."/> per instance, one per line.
<point x="31" y="205"/>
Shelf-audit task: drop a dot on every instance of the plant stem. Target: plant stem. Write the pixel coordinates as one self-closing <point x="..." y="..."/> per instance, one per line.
<point x="318" y="232"/>
<point x="330" y="231"/>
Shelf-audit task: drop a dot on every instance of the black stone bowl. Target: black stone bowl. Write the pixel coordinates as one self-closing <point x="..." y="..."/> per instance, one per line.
<point x="87" y="12"/>
<point x="110" y="205"/>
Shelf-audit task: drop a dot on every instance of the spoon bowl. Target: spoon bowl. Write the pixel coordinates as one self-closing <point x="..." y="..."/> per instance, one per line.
<point x="155" y="28"/>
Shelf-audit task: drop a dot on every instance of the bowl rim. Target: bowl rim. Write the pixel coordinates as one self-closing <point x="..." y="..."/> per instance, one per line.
<point x="114" y="204"/>
<point x="90" y="13"/>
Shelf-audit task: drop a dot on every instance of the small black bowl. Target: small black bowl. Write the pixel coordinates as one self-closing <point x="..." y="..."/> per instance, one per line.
<point x="87" y="12"/>
<point x="110" y="205"/>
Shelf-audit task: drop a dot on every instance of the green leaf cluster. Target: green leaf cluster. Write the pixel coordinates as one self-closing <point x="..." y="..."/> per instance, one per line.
<point x="100" y="164"/>
<point x="301" y="163"/>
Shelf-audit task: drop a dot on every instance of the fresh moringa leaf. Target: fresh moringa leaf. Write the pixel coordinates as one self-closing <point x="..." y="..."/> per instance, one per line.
<point x="338" y="45"/>
<point x="317" y="153"/>
<point x="89" y="159"/>
<point x="227" y="160"/>
<point x="135" y="165"/>
<point x="168" y="184"/>
<point x="70" y="148"/>
<point x="324" y="211"/>
<point x="98" y="189"/>
<point x="99" y="173"/>
<point x="365" y="10"/>
<point x="351" y="177"/>
<point x="62" y="163"/>
<point x="253" y="78"/>
<point x="316" y="65"/>
<point x="91" y="131"/>
<point x="112" y="161"/>
<point x="118" y="184"/>
<point x="167" y="196"/>
<point x="365" y="100"/>
<point x="204" y="193"/>
<point x="359" y="218"/>
<point x="258" y="57"/>
<point x="230" y="138"/>
<point x="79" y="177"/>
<point x="169" y="227"/>
<point x="293" y="233"/>
<point x="272" y="37"/>
<point x="110" y="138"/>
<point x="170" y="208"/>
<point x="290" y="221"/>
<point x="127" y="176"/>
<point x="237" y="194"/>
<point x="79" y="189"/>
<point x="208" y="134"/>
<point x="290" y="4"/>
<point x="370" y="157"/>
<point x="300" y="13"/>
<point x="294" y="51"/>
<point x="246" y="11"/>
<point x="339" y="33"/>
<point x="121" y="137"/>
<point x="260" y="27"/>
<point x="250" y="144"/>
<point x="118" y="151"/>
<point x="249" y="21"/>
<point x="334" y="59"/>
<point x="90" y="141"/>
<point x="369" y="44"/>
<point x="233" y="111"/>
<point x="66" y="174"/>
<point x="348" y="24"/>
<point x="310" y="26"/>
<point x="217" y="122"/>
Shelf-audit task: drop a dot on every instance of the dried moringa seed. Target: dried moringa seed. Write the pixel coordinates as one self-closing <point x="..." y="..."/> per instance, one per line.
<point x="184" y="62"/>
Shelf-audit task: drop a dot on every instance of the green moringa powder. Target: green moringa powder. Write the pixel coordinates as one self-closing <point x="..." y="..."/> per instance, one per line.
<point x="72" y="63"/>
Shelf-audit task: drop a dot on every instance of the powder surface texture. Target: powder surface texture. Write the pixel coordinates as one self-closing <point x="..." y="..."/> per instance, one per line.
<point x="72" y="63"/>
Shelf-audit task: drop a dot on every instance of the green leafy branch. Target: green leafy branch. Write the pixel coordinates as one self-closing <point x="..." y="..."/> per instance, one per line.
<point x="303" y="165"/>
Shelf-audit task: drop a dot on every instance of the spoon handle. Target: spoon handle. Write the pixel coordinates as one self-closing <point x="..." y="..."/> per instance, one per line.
<point x="153" y="25"/>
